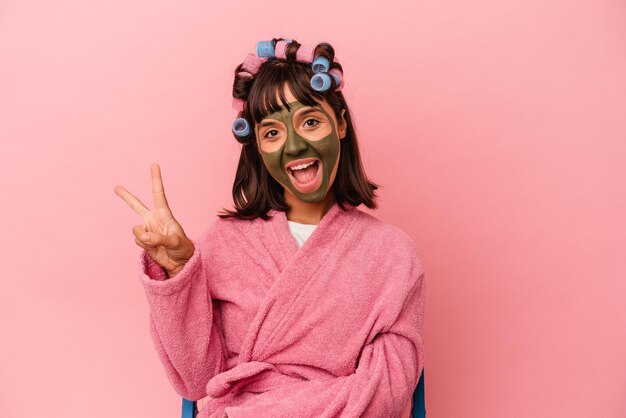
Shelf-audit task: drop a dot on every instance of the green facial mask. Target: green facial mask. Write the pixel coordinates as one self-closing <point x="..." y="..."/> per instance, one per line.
<point x="296" y="147"/>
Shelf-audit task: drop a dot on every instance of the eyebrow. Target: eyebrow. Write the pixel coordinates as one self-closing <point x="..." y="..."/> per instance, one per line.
<point x="303" y="113"/>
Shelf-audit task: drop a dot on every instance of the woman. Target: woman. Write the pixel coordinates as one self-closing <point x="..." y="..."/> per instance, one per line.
<point x="296" y="303"/>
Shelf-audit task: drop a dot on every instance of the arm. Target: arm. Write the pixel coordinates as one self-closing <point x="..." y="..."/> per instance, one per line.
<point x="382" y="385"/>
<point x="185" y="324"/>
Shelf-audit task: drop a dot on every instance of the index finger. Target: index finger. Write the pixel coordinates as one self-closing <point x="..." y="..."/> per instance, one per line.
<point x="132" y="201"/>
<point x="158" y="191"/>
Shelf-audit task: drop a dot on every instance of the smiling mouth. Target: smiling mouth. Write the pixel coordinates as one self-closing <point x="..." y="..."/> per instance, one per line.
<point x="308" y="179"/>
<point x="300" y="161"/>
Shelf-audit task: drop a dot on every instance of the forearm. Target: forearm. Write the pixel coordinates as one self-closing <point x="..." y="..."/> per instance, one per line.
<point x="385" y="378"/>
<point x="183" y="328"/>
<point x="381" y="386"/>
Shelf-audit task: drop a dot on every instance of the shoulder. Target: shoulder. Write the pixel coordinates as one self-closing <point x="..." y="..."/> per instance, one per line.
<point x="223" y="241"/>
<point x="220" y="226"/>
<point x="393" y="257"/>
<point x="398" y="249"/>
<point x="389" y="235"/>
<point x="232" y="235"/>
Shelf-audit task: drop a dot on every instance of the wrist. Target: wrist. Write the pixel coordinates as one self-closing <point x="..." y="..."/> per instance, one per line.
<point x="172" y="273"/>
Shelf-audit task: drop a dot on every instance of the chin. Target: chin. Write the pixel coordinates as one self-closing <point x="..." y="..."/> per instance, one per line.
<point x="312" y="197"/>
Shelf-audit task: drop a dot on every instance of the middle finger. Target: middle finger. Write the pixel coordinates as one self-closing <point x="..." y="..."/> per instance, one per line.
<point x="158" y="191"/>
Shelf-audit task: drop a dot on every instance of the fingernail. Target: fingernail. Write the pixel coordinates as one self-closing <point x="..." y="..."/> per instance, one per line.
<point x="145" y="237"/>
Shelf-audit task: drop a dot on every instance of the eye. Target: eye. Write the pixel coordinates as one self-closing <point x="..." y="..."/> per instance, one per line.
<point x="267" y="133"/>
<point x="317" y="122"/>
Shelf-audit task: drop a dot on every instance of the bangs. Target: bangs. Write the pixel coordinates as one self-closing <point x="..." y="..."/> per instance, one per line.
<point x="269" y="82"/>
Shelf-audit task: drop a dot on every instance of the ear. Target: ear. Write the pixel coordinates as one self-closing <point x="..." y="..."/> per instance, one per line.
<point x="343" y="125"/>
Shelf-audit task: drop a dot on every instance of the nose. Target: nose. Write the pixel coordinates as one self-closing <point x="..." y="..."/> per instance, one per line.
<point x="295" y="144"/>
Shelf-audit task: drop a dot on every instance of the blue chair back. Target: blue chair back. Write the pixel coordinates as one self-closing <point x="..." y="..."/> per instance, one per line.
<point x="419" y="400"/>
<point x="190" y="408"/>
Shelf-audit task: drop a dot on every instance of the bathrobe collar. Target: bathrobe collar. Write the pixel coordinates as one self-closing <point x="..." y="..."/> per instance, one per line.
<point x="333" y="225"/>
<point x="298" y="266"/>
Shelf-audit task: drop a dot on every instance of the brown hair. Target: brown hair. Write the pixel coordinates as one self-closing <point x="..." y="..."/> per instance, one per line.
<point x="255" y="191"/>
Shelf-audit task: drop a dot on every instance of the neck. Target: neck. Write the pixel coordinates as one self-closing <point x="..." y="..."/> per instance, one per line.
<point x="308" y="213"/>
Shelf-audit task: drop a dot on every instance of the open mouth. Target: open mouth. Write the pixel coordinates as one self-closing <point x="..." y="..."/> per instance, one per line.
<point x="307" y="177"/>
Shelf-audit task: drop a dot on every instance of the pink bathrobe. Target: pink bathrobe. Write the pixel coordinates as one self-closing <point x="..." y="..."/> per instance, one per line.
<point x="262" y="328"/>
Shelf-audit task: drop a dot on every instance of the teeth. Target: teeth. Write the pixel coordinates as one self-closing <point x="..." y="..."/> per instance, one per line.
<point x="301" y="166"/>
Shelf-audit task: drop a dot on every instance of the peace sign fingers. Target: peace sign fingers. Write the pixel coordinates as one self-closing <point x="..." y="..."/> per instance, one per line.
<point x="158" y="191"/>
<point x="132" y="201"/>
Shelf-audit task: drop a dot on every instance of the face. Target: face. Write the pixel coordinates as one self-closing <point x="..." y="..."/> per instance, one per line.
<point x="301" y="147"/>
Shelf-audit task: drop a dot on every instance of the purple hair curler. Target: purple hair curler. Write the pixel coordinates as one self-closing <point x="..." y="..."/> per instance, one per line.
<point x="305" y="53"/>
<point x="252" y="63"/>
<point x="338" y="77"/>
<point x="238" y="104"/>
<point x="280" y="51"/>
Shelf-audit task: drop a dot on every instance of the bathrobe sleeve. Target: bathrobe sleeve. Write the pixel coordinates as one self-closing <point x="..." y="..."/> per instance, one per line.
<point x="386" y="375"/>
<point x="184" y="323"/>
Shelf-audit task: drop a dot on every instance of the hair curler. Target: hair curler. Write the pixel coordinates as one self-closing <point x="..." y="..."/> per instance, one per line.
<point x="241" y="128"/>
<point x="280" y="51"/>
<point x="238" y="104"/>
<point x="252" y="63"/>
<point x="320" y="64"/>
<point x="320" y="82"/>
<point x="265" y="49"/>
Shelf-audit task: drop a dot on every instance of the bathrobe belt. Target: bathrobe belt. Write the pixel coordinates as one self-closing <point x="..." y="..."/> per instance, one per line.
<point x="253" y="376"/>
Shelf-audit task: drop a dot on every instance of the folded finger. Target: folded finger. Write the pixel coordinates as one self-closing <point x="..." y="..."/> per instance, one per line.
<point x="142" y="245"/>
<point x="142" y="234"/>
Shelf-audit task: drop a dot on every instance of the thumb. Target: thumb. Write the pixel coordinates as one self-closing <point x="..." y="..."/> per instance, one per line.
<point x="156" y="239"/>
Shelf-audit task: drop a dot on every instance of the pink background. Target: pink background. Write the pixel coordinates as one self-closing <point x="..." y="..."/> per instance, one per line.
<point x="496" y="129"/>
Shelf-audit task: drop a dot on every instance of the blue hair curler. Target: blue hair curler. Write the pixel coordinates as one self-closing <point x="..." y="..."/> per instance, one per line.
<point x="241" y="127"/>
<point x="265" y="49"/>
<point x="320" y="64"/>
<point x="320" y="82"/>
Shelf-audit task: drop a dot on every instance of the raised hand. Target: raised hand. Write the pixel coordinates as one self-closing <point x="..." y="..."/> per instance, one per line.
<point x="160" y="235"/>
